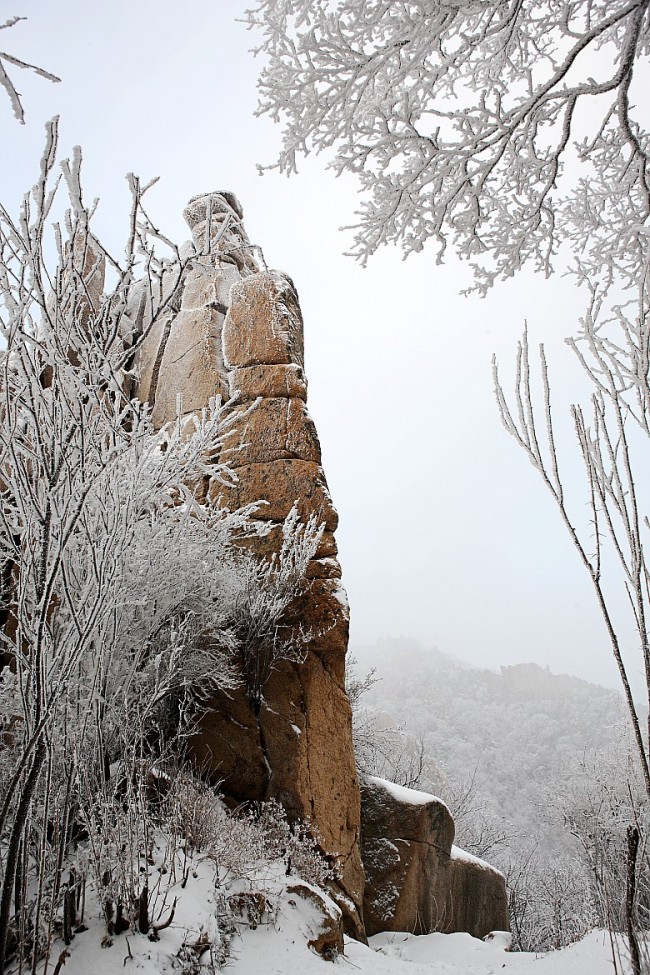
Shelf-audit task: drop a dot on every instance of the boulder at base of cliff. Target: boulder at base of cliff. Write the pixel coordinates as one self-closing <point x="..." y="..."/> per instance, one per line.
<point x="415" y="880"/>
<point x="478" y="895"/>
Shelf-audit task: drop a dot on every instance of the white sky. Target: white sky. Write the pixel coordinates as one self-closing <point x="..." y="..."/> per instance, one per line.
<point x="446" y="535"/>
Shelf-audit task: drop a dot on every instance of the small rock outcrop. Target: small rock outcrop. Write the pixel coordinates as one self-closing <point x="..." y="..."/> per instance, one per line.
<point x="234" y="330"/>
<point x="416" y="880"/>
<point x="326" y="935"/>
<point x="479" y="903"/>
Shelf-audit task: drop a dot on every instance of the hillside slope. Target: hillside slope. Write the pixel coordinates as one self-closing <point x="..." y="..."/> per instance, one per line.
<point x="519" y="733"/>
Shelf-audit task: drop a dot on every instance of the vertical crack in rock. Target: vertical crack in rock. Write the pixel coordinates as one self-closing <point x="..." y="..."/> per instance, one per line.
<point x="155" y="372"/>
<point x="265" y="758"/>
<point x="175" y="304"/>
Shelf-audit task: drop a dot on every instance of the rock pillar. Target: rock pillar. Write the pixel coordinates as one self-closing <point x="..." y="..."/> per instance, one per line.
<point x="238" y="333"/>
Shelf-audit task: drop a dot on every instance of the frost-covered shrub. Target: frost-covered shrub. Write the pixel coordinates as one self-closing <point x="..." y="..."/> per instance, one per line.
<point x="296" y="844"/>
<point x="124" y="600"/>
<point x="267" y="590"/>
<point x="550" y="901"/>
<point x="247" y="842"/>
<point x="209" y="948"/>
<point x="147" y="831"/>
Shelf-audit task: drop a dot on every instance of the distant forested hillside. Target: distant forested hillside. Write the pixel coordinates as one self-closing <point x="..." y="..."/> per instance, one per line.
<point x="520" y="734"/>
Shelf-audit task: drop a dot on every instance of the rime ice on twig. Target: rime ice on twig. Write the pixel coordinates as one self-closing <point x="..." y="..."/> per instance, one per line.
<point x="5" y="80"/>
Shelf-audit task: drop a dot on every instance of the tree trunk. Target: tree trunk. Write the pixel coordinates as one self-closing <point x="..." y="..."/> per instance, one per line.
<point x="13" y="849"/>
<point x="630" y="895"/>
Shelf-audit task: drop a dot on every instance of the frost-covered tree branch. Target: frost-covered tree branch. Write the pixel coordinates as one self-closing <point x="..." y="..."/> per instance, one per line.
<point x="459" y="121"/>
<point x="9" y="62"/>
<point x="612" y="440"/>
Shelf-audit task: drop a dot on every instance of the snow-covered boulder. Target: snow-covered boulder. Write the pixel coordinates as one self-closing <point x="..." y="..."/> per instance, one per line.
<point x="478" y="895"/>
<point x="416" y="880"/>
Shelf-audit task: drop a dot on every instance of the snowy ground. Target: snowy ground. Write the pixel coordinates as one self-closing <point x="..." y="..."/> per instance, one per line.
<point x="282" y="950"/>
<point x="434" y="954"/>
<point x="278" y="944"/>
<point x="453" y="954"/>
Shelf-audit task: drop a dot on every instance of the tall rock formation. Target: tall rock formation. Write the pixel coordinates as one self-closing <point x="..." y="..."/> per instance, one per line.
<point x="234" y="330"/>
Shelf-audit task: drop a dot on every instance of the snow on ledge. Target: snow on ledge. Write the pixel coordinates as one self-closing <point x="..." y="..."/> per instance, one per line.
<point x="411" y="797"/>
<point x="458" y="854"/>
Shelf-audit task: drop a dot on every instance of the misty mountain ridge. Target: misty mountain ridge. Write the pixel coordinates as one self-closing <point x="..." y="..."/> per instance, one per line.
<point x="403" y="655"/>
<point x="521" y="733"/>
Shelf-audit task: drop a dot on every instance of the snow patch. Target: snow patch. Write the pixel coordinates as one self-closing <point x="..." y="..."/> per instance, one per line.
<point x="341" y="595"/>
<point x="501" y="939"/>
<point x="412" y="797"/>
<point x="458" y="854"/>
<point x="400" y="953"/>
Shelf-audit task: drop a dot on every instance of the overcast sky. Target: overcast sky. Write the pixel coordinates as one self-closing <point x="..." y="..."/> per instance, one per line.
<point x="445" y="536"/>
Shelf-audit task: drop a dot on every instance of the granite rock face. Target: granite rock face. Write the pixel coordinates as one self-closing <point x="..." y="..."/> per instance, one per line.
<point x="234" y="330"/>
<point x="416" y="880"/>
<point x="181" y="360"/>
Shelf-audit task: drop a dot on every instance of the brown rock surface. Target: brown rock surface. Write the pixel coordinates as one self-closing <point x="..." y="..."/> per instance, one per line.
<point x="323" y="610"/>
<point x="305" y="721"/>
<point x="415" y="880"/>
<point x="189" y="357"/>
<point x="478" y="896"/>
<point x="281" y="483"/>
<point x="274" y="429"/>
<point x="181" y="358"/>
<point x="296" y="750"/>
<point x="324" y="569"/>
<point x="249" y="382"/>
<point x="264" y="324"/>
